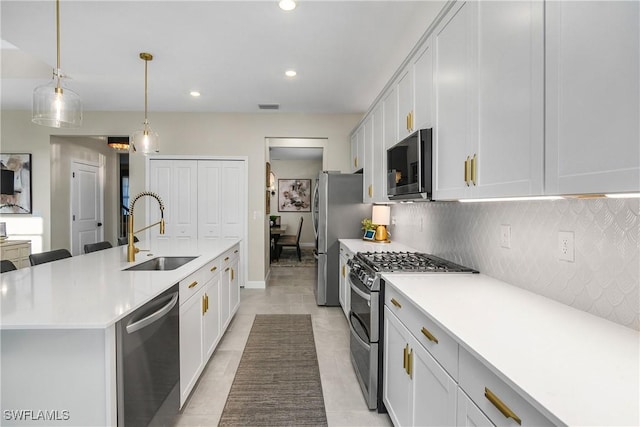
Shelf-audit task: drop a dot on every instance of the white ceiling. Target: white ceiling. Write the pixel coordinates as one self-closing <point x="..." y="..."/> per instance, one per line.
<point x="234" y="52"/>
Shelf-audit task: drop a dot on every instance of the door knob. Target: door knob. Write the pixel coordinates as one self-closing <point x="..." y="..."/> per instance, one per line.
<point x="99" y="224"/>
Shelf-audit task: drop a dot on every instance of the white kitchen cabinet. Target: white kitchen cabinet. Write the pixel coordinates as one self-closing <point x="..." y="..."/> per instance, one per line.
<point x="229" y="287"/>
<point x="390" y="102"/>
<point x="489" y="100"/>
<point x="379" y="167"/>
<point x="592" y="97"/>
<point x="191" y="332"/>
<point x="211" y="331"/>
<point x="16" y="251"/>
<point x="176" y="182"/>
<point x="357" y="149"/>
<point x="469" y="415"/>
<point x="368" y="169"/>
<point x="417" y="390"/>
<point x="405" y="103"/>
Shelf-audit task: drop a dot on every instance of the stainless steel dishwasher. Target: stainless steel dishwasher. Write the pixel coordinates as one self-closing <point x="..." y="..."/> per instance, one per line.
<point x="148" y="363"/>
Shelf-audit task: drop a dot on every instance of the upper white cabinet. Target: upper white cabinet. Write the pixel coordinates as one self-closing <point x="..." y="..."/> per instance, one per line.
<point x="368" y="169"/>
<point x="390" y="105"/>
<point x="379" y="168"/>
<point x="592" y="97"/>
<point x="489" y="100"/>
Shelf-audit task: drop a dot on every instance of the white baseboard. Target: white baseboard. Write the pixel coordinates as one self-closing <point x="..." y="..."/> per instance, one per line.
<point x="255" y="284"/>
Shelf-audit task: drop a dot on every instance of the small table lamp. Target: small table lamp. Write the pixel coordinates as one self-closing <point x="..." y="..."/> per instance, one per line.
<point x="381" y="217"/>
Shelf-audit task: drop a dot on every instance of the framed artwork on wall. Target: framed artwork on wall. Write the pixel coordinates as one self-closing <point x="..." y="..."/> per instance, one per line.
<point x="294" y="195"/>
<point x="15" y="183"/>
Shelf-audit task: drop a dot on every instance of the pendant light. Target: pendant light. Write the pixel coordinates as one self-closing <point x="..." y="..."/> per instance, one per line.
<point x="54" y="104"/>
<point x="145" y="141"/>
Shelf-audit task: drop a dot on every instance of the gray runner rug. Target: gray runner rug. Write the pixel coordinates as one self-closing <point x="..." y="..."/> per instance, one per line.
<point x="278" y="379"/>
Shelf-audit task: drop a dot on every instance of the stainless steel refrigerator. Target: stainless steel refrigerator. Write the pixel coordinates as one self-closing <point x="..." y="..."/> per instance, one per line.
<point x="337" y="214"/>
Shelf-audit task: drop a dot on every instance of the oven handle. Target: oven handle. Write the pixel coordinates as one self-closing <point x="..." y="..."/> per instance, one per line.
<point x="355" y="334"/>
<point x="361" y="294"/>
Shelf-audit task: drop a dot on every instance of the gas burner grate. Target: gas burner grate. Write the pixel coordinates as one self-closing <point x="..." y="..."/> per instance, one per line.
<point x="410" y="262"/>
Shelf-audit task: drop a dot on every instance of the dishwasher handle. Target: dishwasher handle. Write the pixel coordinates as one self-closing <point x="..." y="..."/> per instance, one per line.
<point x="153" y="317"/>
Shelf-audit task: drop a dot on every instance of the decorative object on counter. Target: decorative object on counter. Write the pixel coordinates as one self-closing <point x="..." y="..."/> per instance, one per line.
<point x="294" y="195"/>
<point x="369" y="229"/>
<point x="381" y="215"/>
<point x="132" y="250"/>
<point x="145" y="141"/>
<point x="54" y="105"/>
<point x="15" y="183"/>
<point x="264" y="391"/>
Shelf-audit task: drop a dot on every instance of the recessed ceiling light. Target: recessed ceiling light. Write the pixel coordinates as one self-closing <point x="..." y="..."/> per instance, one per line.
<point x="290" y="73"/>
<point x="194" y="93"/>
<point x="287" y="4"/>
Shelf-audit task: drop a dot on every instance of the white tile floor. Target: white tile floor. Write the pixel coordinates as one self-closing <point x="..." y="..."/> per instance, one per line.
<point x="289" y="290"/>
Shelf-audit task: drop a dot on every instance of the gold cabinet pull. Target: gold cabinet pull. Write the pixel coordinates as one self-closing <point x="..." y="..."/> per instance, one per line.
<point x="214" y="268"/>
<point x="370" y="190"/>
<point x="195" y="283"/>
<point x="343" y="270"/>
<point x="410" y="364"/>
<point x="355" y="162"/>
<point x="474" y="169"/>
<point x="226" y="269"/>
<point x="500" y="406"/>
<point x="405" y="354"/>
<point x="429" y="335"/>
<point x="232" y="273"/>
<point x="396" y="303"/>
<point x="204" y="306"/>
<point x="206" y="296"/>
<point x="467" y="170"/>
<point x="410" y="120"/>
<point x="226" y="258"/>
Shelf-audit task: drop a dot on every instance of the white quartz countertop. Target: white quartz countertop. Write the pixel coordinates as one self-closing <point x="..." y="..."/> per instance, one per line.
<point x="578" y="368"/>
<point x="360" y="245"/>
<point x="90" y="290"/>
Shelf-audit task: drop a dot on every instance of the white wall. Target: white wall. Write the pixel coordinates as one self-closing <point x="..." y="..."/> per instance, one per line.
<point x="604" y="279"/>
<point x="289" y="169"/>
<point x="212" y="134"/>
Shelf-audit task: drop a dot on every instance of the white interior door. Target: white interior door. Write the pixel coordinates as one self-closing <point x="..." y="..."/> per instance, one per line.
<point x="86" y="206"/>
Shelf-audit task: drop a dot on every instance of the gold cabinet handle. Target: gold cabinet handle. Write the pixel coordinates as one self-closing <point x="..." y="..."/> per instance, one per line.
<point x="429" y="335"/>
<point x="500" y="406"/>
<point x="370" y="191"/>
<point x="204" y="305"/>
<point x="226" y="258"/>
<point x="232" y="273"/>
<point x="410" y="120"/>
<point x="355" y="162"/>
<point x="193" y="284"/>
<point x="405" y="354"/>
<point x="207" y="298"/>
<point x="396" y="303"/>
<point x="410" y="364"/>
<point x="214" y="268"/>
<point x="467" y="170"/>
<point x="343" y="270"/>
<point x="226" y="269"/>
<point x="474" y="169"/>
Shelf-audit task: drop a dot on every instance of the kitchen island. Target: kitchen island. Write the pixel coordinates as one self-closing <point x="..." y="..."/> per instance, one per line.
<point x="57" y="331"/>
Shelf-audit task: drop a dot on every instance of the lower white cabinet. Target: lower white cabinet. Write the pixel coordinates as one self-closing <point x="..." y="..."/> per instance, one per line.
<point x="16" y="251"/>
<point x="208" y="300"/>
<point x="344" y="295"/>
<point x="469" y="415"/>
<point x="417" y="390"/>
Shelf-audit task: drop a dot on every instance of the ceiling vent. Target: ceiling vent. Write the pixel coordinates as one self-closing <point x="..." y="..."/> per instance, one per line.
<point x="269" y="106"/>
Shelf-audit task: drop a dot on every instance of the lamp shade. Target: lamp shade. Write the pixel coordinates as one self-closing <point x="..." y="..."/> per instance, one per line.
<point x="144" y="142"/>
<point x="381" y="215"/>
<point x="56" y="106"/>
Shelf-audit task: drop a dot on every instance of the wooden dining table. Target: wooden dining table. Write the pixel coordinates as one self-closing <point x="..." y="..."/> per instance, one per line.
<point x="275" y="233"/>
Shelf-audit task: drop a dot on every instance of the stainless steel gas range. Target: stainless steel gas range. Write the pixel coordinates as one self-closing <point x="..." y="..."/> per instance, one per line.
<point x="367" y="300"/>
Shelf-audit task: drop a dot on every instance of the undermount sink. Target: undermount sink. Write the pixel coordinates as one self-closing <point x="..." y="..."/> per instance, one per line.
<point x="162" y="263"/>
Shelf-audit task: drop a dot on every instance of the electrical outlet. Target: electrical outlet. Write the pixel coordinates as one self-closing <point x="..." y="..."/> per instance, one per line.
<point x="393" y="220"/>
<point x="566" y="249"/>
<point x="505" y="236"/>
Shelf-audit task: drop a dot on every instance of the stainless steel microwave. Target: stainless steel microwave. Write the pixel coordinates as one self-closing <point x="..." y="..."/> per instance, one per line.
<point x="409" y="167"/>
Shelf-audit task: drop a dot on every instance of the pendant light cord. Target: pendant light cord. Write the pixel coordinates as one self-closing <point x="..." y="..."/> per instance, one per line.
<point x="146" y="63"/>
<point x="58" y="34"/>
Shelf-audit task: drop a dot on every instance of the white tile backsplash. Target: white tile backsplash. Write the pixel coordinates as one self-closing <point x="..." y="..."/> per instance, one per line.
<point x="603" y="280"/>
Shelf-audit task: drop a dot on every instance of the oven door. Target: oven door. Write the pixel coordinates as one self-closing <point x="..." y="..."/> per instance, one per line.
<point x="364" y="307"/>
<point x="364" y="358"/>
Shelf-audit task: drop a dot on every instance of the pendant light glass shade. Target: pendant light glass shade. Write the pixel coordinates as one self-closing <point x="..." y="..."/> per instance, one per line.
<point x="145" y="141"/>
<point x="55" y="105"/>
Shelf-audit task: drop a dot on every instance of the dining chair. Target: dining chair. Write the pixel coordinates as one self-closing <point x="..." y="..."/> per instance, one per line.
<point x="290" y="241"/>
<point x="124" y="240"/>
<point x="98" y="246"/>
<point x="44" y="257"/>
<point x="6" y="265"/>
